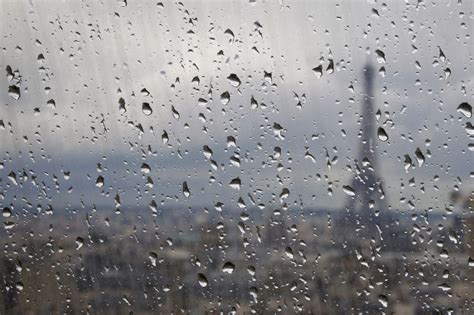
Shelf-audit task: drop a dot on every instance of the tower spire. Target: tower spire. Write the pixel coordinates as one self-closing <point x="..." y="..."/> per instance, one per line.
<point x="366" y="183"/>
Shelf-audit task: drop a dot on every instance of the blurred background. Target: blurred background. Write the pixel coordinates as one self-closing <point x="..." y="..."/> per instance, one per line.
<point x="202" y="157"/>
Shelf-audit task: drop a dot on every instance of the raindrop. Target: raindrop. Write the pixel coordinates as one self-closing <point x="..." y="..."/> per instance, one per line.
<point x="285" y="192"/>
<point x="407" y="162"/>
<point x="465" y="109"/>
<point x="153" y="257"/>
<point x="14" y="92"/>
<point x="164" y="137"/>
<point x="153" y="206"/>
<point x="254" y="293"/>
<point x="383" y="300"/>
<point x="234" y="80"/>
<point x="202" y="280"/>
<point x="442" y="56"/>
<point x="225" y="98"/>
<point x="319" y="71"/>
<point x="380" y="55"/>
<point x="145" y="92"/>
<point x="348" y="190"/>
<point x="207" y="152"/>
<point x="447" y="73"/>
<point x="19" y="286"/>
<point x="99" y="181"/>
<point x="146" y="109"/>
<point x="122" y="108"/>
<point x="253" y="103"/>
<point x="79" y="242"/>
<point x="51" y="103"/>
<point x="235" y="183"/>
<point x="382" y="134"/>
<point x="470" y="262"/>
<point x="146" y="169"/>
<point x="444" y="286"/>
<point x="231" y="142"/>
<point x="202" y="102"/>
<point x="228" y="267"/>
<point x="7" y="212"/>
<point x="330" y="68"/>
<point x="420" y="158"/>
<point x="12" y="178"/>
<point x="175" y="112"/>
<point x="185" y="189"/>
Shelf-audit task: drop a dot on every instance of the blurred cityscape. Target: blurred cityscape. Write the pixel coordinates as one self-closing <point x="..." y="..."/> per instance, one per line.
<point x="262" y="261"/>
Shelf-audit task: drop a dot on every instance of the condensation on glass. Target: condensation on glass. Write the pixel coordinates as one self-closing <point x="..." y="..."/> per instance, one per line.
<point x="210" y="157"/>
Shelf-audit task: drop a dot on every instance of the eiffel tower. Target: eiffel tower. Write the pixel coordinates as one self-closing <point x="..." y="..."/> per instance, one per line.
<point x="367" y="185"/>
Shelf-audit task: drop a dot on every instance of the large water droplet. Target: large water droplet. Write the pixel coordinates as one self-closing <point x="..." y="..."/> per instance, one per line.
<point x="207" y="152"/>
<point x="228" y="267"/>
<point x="14" y="92"/>
<point x="420" y="158"/>
<point x="319" y="71"/>
<point x="99" y="181"/>
<point x="234" y="80"/>
<point x="382" y="134"/>
<point x="122" y="108"/>
<point x="225" y="98"/>
<point x="235" y="183"/>
<point x="185" y="189"/>
<point x="380" y="55"/>
<point x="146" y="108"/>
<point x="153" y="257"/>
<point x="79" y="242"/>
<point x="12" y="177"/>
<point x="7" y="212"/>
<point x="383" y="300"/>
<point x="465" y="109"/>
<point x="348" y="190"/>
<point x="202" y="280"/>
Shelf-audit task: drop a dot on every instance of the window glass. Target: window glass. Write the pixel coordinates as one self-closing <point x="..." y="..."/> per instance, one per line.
<point x="201" y="157"/>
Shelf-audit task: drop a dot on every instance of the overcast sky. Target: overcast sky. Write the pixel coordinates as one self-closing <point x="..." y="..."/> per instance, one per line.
<point x="86" y="55"/>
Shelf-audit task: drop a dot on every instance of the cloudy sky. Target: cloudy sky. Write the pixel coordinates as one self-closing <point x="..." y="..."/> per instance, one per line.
<point x="74" y="61"/>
